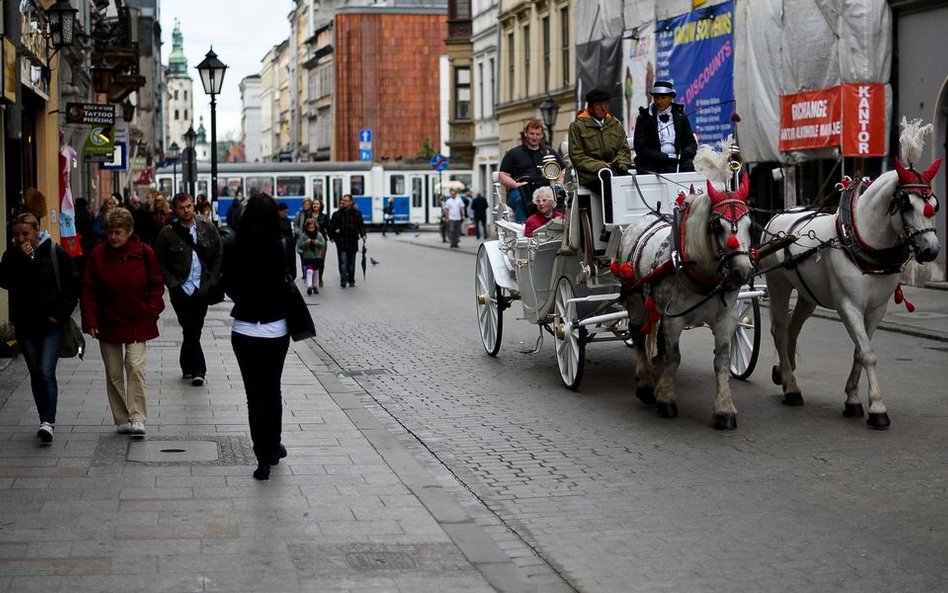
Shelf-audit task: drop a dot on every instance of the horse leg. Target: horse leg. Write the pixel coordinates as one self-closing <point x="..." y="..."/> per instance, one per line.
<point x="779" y="290"/>
<point x="861" y="328"/>
<point x="725" y="414"/>
<point x="644" y="380"/>
<point x="670" y="358"/>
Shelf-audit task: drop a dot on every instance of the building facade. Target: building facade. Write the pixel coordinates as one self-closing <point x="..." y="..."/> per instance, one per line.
<point x="484" y="34"/>
<point x="250" y="132"/>
<point x="460" y="140"/>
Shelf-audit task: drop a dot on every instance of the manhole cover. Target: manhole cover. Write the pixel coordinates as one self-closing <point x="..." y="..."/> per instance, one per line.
<point x="173" y="451"/>
<point x="380" y="560"/>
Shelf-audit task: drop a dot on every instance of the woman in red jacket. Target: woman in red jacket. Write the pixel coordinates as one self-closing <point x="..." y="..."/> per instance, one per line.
<point x="122" y="297"/>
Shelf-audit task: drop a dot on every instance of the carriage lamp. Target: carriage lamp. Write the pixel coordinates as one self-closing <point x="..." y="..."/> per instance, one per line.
<point x="548" y="111"/>
<point x="550" y="169"/>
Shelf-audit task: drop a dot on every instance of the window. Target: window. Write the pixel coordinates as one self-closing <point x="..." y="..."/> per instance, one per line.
<point x="230" y="186"/>
<point x="185" y="94"/>
<point x="336" y="192"/>
<point x="480" y="91"/>
<point x="318" y="193"/>
<point x="176" y="94"/>
<point x="186" y="115"/>
<point x="176" y="115"/>
<point x="491" y="89"/>
<point x="260" y="184"/>
<point x="459" y="9"/>
<point x="416" y="192"/>
<point x="462" y="96"/>
<point x="564" y="44"/>
<point x="290" y="187"/>
<point x="545" y="30"/>
<point x="396" y="185"/>
<point x="357" y="184"/>
<point x="526" y="61"/>
<point x="511" y="74"/>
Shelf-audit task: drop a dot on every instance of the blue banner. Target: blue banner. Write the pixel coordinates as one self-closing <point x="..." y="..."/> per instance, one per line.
<point x="696" y="52"/>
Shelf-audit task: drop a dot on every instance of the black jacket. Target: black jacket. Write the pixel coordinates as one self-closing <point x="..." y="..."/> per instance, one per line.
<point x="255" y="278"/>
<point x="648" y="149"/>
<point x="32" y="287"/>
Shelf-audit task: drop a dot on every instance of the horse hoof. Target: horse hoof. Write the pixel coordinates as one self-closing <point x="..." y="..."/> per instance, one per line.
<point x="646" y="395"/>
<point x="725" y="421"/>
<point x="775" y="375"/>
<point x="878" y="421"/>
<point x="667" y="409"/>
<point x="854" y="411"/>
<point x="793" y="398"/>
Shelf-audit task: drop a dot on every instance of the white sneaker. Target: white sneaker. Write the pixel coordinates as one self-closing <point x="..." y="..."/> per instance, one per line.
<point x="45" y="432"/>
<point x="137" y="427"/>
<point x="124" y="428"/>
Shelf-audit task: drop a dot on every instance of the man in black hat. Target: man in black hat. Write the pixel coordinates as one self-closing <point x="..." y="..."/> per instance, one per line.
<point x="597" y="140"/>
<point x="663" y="140"/>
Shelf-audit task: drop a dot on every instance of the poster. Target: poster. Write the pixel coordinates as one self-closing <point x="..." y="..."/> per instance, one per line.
<point x="638" y="73"/>
<point x="696" y="52"/>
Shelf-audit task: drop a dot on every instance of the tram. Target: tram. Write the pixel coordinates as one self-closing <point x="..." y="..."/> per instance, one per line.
<point x="416" y="188"/>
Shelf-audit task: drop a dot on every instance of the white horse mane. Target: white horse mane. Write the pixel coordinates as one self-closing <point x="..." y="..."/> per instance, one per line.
<point x="697" y="232"/>
<point x="714" y="164"/>
<point x="912" y="140"/>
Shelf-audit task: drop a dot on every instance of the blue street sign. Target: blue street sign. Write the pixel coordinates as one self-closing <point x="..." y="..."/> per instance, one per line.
<point x="365" y="136"/>
<point x="439" y="162"/>
<point x="365" y="155"/>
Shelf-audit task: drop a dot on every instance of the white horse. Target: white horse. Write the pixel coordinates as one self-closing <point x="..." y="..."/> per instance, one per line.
<point x="850" y="261"/>
<point x="686" y="275"/>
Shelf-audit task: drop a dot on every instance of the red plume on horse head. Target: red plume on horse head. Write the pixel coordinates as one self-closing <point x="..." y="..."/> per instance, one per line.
<point x="741" y="193"/>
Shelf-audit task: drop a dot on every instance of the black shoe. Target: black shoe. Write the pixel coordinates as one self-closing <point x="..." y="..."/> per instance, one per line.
<point x="315" y="290"/>
<point x="343" y="285"/>
<point x="262" y="472"/>
<point x="275" y="460"/>
<point x="198" y="380"/>
<point x="352" y="284"/>
<point x="309" y="290"/>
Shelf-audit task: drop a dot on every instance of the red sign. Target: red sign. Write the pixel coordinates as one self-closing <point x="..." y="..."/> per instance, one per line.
<point x="849" y="115"/>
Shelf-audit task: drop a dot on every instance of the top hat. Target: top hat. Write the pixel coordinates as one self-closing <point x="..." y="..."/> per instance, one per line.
<point x="663" y="87"/>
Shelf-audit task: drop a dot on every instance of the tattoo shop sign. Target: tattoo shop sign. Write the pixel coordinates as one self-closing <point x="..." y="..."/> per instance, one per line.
<point x="851" y="116"/>
<point x="90" y="113"/>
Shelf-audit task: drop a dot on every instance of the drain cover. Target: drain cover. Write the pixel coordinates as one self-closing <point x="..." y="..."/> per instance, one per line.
<point x="380" y="560"/>
<point x="173" y="451"/>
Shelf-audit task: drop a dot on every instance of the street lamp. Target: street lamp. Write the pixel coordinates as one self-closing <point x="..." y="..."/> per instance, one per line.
<point x="548" y="111"/>
<point x="173" y="153"/>
<point x="212" y="73"/>
<point x="190" y="139"/>
<point x="60" y="32"/>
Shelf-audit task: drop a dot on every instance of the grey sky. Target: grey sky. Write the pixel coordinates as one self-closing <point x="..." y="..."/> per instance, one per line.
<point x="240" y="31"/>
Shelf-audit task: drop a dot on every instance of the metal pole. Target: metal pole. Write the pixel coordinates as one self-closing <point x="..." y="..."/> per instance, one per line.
<point x="213" y="196"/>
<point x="174" y="177"/>
<point x="191" y="172"/>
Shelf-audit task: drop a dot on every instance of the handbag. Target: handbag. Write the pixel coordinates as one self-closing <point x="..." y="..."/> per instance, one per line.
<point x="298" y="320"/>
<point x="74" y="343"/>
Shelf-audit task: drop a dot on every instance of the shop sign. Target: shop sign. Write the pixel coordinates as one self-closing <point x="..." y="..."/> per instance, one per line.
<point x="850" y="116"/>
<point x="8" y="63"/>
<point x="90" y="113"/>
<point x="100" y="145"/>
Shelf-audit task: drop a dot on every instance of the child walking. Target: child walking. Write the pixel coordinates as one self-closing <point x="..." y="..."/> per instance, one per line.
<point x="311" y="247"/>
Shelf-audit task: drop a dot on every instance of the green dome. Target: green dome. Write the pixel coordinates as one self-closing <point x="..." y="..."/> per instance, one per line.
<point x="177" y="63"/>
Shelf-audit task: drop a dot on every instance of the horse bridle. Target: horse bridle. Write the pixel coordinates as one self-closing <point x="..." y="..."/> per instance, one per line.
<point x="901" y="203"/>
<point x="731" y="211"/>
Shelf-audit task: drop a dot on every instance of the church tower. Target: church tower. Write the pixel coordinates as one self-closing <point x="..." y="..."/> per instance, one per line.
<point x="179" y="99"/>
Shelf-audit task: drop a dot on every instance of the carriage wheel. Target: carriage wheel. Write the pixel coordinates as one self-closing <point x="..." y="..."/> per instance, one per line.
<point x="569" y="340"/>
<point x="487" y="298"/>
<point x="745" y="345"/>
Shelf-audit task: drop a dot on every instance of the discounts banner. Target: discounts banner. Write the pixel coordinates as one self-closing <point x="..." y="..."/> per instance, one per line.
<point x="850" y="115"/>
<point x="696" y="52"/>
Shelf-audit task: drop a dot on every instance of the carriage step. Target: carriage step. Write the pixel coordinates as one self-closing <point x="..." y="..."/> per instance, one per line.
<point x="595" y="298"/>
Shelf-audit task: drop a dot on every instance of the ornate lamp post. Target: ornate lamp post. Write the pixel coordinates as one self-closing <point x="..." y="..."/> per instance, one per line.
<point x="548" y="111"/>
<point x="173" y="153"/>
<point x="190" y="139"/>
<point x="212" y="73"/>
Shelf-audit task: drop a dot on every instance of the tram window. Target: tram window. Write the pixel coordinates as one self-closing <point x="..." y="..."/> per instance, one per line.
<point x="291" y="187"/>
<point x="165" y="186"/>
<point x="318" y="190"/>
<point x="336" y="191"/>
<point x="260" y="184"/>
<point x="231" y="186"/>
<point x="417" y="183"/>
<point x="202" y="188"/>
<point x="357" y="182"/>
<point x="397" y="185"/>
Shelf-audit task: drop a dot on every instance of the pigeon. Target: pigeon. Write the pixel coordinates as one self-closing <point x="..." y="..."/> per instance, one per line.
<point x="374" y="261"/>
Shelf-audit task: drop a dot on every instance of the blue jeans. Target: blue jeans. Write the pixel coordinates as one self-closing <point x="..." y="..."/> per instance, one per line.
<point x="41" y="353"/>
<point x="347" y="266"/>
<point x="517" y="204"/>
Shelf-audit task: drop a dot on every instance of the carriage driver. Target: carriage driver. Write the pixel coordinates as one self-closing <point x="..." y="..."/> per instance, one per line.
<point x="663" y="140"/>
<point x="520" y="168"/>
<point x="597" y="140"/>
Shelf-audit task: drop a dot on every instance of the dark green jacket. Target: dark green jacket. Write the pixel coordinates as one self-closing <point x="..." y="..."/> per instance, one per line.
<point x="590" y="146"/>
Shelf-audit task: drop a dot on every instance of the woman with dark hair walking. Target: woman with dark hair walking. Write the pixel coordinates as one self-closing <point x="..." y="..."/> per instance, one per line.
<point x="41" y="305"/>
<point x="256" y="267"/>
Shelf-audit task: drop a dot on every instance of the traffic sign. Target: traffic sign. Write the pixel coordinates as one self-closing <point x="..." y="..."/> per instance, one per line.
<point x="365" y="155"/>
<point x="365" y="136"/>
<point x="439" y="162"/>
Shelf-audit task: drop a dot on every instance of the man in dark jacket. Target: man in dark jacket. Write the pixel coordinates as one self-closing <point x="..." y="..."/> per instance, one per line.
<point x="520" y="169"/>
<point x="190" y="252"/>
<point x="597" y="140"/>
<point x="346" y="228"/>
<point x="663" y="140"/>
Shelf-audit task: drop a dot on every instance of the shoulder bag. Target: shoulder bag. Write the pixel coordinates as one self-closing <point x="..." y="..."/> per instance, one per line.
<point x="298" y="320"/>
<point x="74" y="343"/>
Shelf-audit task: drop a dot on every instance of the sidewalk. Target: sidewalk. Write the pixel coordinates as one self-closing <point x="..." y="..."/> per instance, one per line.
<point x="930" y="319"/>
<point x="356" y="506"/>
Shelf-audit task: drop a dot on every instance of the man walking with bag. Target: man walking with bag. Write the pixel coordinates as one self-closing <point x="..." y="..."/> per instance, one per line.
<point x="190" y="251"/>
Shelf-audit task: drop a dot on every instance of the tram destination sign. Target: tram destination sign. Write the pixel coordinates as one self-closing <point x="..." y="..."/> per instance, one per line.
<point x="90" y="113"/>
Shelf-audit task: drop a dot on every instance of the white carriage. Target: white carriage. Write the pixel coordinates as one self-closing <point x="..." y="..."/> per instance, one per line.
<point x="562" y="277"/>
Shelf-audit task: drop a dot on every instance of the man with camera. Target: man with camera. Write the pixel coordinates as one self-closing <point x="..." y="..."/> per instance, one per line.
<point x="520" y="169"/>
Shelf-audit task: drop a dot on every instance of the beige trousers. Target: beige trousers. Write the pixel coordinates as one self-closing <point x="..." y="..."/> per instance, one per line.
<point x="125" y="361"/>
